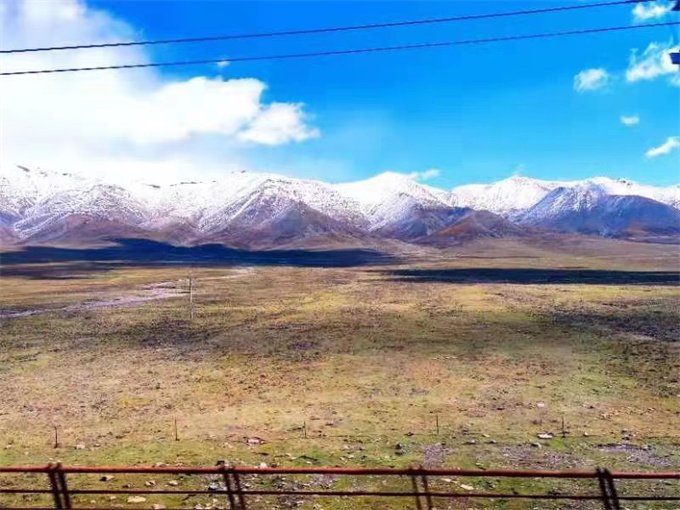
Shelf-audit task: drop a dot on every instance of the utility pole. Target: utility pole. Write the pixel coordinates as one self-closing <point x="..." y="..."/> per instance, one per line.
<point x="191" y="296"/>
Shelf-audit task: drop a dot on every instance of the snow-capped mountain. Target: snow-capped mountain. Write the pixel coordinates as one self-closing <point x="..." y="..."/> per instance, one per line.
<point x="506" y="197"/>
<point x="22" y="188"/>
<point x="397" y="206"/>
<point x="249" y="209"/>
<point x="588" y="208"/>
<point x="516" y="194"/>
<point x="473" y="225"/>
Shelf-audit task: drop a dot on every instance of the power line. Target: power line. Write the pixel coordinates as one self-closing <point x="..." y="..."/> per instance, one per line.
<point x="348" y="52"/>
<point x="368" y="26"/>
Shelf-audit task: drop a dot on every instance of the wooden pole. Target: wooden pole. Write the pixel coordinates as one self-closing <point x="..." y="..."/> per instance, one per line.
<point x="191" y="296"/>
<point x="176" y="433"/>
<point x="436" y="419"/>
<point x="56" y="436"/>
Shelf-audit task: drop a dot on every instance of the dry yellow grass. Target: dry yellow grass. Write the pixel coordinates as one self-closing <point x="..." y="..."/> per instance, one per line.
<point x="346" y="352"/>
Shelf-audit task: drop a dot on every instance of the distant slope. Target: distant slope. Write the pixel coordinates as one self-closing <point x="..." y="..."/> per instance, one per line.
<point x="295" y="222"/>
<point x="588" y="209"/>
<point x="475" y="225"/>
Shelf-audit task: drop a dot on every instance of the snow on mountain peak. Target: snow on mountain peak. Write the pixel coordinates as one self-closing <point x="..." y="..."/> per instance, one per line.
<point x="389" y="196"/>
<point x="390" y="203"/>
<point x="510" y="197"/>
<point x="504" y="197"/>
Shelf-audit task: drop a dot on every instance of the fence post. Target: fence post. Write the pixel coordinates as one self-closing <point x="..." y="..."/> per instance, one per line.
<point x="610" y="499"/>
<point x="56" y="436"/>
<point x="436" y="419"/>
<point x="426" y="488"/>
<point x="227" y="484"/>
<point x="416" y="492"/>
<point x="239" y="490"/>
<point x="64" y="488"/>
<point x="54" y="485"/>
<point x="613" y="496"/>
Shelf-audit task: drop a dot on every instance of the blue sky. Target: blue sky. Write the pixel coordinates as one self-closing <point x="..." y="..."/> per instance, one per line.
<point x="476" y="113"/>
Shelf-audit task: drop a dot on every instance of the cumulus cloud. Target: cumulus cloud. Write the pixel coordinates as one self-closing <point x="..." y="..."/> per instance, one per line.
<point x="630" y="120"/>
<point x="652" y="63"/>
<point x="673" y="142"/>
<point x="102" y="117"/>
<point x="278" y="123"/>
<point x="425" y="175"/>
<point x="222" y="64"/>
<point x="651" y="10"/>
<point x="591" y="79"/>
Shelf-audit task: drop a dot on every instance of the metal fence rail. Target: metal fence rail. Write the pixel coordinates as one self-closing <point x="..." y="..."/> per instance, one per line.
<point x="236" y="493"/>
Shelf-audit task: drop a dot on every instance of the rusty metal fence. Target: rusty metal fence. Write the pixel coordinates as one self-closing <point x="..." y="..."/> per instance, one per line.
<point x="237" y="494"/>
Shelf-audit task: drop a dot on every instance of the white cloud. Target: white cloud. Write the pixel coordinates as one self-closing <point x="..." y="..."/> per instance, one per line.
<point x="591" y="79"/>
<point x="673" y="142"/>
<point x="96" y="119"/>
<point x="650" y="10"/>
<point x="630" y="120"/>
<point x="278" y="123"/>
<point x="652" y="63"/>
<point x="222" y="64"/>
<point x="425" y="175"/>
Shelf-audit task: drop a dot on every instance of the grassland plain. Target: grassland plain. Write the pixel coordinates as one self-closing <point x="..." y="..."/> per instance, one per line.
<point x="362" y="361"/>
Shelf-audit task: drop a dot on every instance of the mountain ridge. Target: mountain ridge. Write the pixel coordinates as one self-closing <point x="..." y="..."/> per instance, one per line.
<point x="267" y="210"/>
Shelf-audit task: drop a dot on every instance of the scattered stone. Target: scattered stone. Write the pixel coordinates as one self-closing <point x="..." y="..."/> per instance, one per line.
<point x="447" y="480"/>
<point x="113" y="498"/>
<point x="409" y="434"/>
<point x="471" y="441"/>
<point x="80" y="446"/>
<point x="537" y="445"/>
<point x="214" y="486"/>
<point x="157" y="506"/>
<point x="173" y="483"/>
<point x="106" y="478"/>
<point x="586" y="434"/>
<point x="136" y="499"/>
<point x="254" y="441"/>
<point x="467" y="487"/>
<point x="541" y="405"/>
<point x="160" y="464"/>
<point x="545" y="435"/>
<point x="93" y="502"/>
<point x="492" y="441"/>
<point x="263" y="465"/>
<point x="150" y="483"/>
